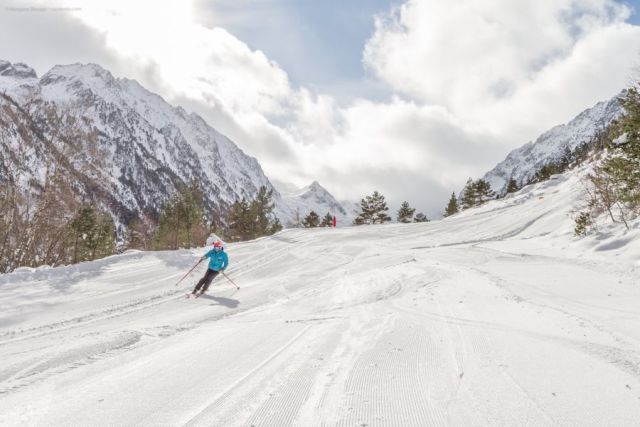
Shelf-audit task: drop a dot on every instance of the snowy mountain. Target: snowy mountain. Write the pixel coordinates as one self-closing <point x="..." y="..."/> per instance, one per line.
<point x="316" y="198"/>
<point x="152" y="147"/>
<point x="494" y="316"/>
<point x="522" y="163"/>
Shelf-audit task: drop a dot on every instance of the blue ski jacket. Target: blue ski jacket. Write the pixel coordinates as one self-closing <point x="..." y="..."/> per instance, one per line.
<point x="218" y="261"/>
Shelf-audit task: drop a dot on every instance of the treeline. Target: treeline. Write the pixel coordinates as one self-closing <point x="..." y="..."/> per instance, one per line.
<point x="250" y="220"/>
<point x="374" y="210"/>
<point x="613" y="187"/>
<point x="313" y="220"/>
<point x="53" y="228"/>
<point x="183" y="222"/>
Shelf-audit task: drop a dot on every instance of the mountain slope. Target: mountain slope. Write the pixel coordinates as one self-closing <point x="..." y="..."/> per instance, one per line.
<point x="152" y="148"/>
<point x="523" y="163"/>
<point x="492" y="316"/>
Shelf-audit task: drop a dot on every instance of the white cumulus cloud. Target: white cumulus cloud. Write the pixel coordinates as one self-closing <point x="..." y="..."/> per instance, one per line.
<point x="513" y="67"/>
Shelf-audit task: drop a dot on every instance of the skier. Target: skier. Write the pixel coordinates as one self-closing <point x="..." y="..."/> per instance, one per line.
<point x="218" y="261"/>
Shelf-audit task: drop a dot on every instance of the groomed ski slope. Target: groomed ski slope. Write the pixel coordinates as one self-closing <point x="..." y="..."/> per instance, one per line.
<point x="493" y="317"/>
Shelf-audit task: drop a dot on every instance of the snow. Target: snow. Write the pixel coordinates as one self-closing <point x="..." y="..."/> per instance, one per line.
<point x="495" y="316"/>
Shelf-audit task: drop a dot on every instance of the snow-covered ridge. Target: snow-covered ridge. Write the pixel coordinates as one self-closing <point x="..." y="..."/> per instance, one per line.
<point x="153" y="147"/>
<point x="523" y="163"/>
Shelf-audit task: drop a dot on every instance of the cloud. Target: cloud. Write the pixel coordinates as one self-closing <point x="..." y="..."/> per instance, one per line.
<point x="514" y="68"/>
<point x="43" y="39"/>
<point x="469" y="81"/>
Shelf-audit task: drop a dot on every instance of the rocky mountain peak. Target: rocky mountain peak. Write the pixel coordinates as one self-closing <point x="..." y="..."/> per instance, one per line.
<point x="17" y="70"/>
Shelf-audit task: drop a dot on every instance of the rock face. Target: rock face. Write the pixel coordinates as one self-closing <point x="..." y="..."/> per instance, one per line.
<point x="18" y="70"/>
<point x="522" y="163"/>
<point x="150" y="147"/>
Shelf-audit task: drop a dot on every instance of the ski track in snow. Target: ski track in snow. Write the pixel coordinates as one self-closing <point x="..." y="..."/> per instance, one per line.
<point x="492" y="317"/>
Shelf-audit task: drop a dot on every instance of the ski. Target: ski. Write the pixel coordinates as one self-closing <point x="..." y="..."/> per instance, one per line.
<point x="191" y="294"/>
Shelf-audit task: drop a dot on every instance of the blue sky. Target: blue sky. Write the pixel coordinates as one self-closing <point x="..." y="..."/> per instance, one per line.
<point x="318" y="43"/>
<point x="636" y="6"/>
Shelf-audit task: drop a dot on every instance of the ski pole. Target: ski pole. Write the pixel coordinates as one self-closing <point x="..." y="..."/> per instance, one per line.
<point x="223" y="273"/>
<point x="185" y="276"/>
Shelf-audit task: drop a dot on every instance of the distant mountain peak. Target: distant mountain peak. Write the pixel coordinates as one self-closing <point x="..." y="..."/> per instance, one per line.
<point x="17" y="70"/>
<point x="315" y="197"/>
<point x="76" y="76"/>
<point x="316" y="188"/>
<point x="81" y="71"/>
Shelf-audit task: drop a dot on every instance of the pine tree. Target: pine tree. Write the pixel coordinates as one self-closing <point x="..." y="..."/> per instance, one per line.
<point x="250" y="220"/>
<point x="469" y="197"/>
<point x="623" y="165"/>
<point x="373" y="210"/>
<point x="405" y="213"/>
<point x="275" y="226"/>
<point x="190" y="210"/>
<point x="83" y="228"/>
<point x="476" y="193"/>
<point x="327" y="221"/>
<point x="312" y="220"/>
<point x="182" y="222"/>
<point x="545" y="172"/>
<point x="103" y="242"/>
<point x="380" y="208"/>
<point x="566" y="159"/>
<point x="420" y="217"/>
<point x="93" y="235"/>
<point x="239" y="221"/>
<point x="452" y="206"/>
<point x="167" y="236"/>
<point x="484" y="191"/>
<point x="366" y="212"/>
<point x="583" y="222"/>
<point x="261" y="212"/>
<point x="141" y="232"/>
<point x="512" y="186"/>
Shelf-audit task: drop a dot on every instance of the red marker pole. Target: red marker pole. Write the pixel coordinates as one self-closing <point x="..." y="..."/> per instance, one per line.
<point x="335" y="221"/>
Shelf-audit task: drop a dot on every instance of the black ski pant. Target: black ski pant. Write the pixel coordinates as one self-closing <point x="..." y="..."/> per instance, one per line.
<point x="206" y="281"/>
